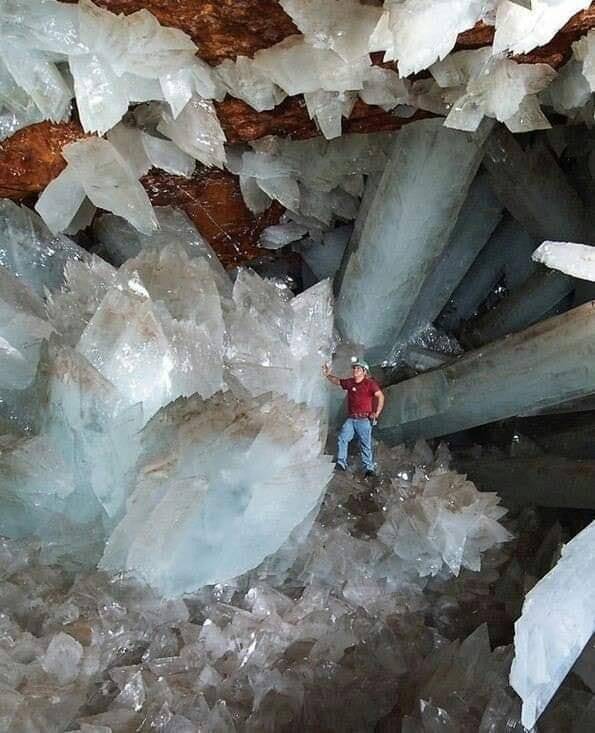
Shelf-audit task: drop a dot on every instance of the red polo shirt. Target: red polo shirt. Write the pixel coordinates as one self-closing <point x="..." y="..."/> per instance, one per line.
<point x="360" y="396"/>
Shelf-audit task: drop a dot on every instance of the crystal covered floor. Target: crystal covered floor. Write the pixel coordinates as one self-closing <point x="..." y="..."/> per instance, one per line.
<point x="283" y="647"/>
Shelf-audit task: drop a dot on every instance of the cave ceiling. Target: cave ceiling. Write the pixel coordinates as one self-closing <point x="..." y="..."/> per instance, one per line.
<point x="31" y="157"/>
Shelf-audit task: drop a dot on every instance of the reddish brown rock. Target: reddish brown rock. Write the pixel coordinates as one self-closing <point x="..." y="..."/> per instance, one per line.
<point x="31" y="158"/>
<point x="213" y="200"/>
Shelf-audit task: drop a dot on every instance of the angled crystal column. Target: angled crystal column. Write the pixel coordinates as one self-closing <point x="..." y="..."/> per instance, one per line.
<point x="558" y="620"/>
<point x="532" y="186"/>
<point x="544" y="365"/>
<point x="479" y="217"/>
<point x="524" y="305"/>
<point x="508" y="252"/>
<point x="408" y="224"/>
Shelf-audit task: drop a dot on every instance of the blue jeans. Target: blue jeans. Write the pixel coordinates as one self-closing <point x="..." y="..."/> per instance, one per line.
<point x="363" y="429"/>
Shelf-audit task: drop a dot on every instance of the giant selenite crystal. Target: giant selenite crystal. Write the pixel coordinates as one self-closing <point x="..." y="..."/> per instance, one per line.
<point x="207" y="505"/>
<point x="545" y="365"/>
<point x="558" y="620"/>
<point x="233" y="467"/>
<point x="406" y="227"/>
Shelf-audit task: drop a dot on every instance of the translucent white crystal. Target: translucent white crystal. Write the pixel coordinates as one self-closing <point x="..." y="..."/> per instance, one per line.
<point x="30" y="251"/>
<point x="129" y="142"/>
<point x="60" y="201"/>
<point x="46" y="25"/>
<point x="167" y="156"/>
<point x="558" y="619"/>
<point x="328" y="109"/>
<point x="521" y="30"/>
<point x="39" y="78"/>
<point x="125" y="342"/>
<point x="196" y="131"/>
<point x="279" y="235"/>
<point x="570" y="90"/>
<point x="422" y="33"/>
<point x="109" y="183"/>
<point x="135" y="43"/>
<point x="102" y="97"/>
<point x="85" y="286"/>
<point x="343" y="26"/>
<point x="23" y="326"/>
<point x="584" y="51"/>
<point x="297" y="68"/>
<point x="246" y="81"/>
<point x="121" y="241"/>
<point x="425" y="531"/>
<point x="384" y="88"/>
<point x="574" y="259"/>
<point x="495" y="87"/>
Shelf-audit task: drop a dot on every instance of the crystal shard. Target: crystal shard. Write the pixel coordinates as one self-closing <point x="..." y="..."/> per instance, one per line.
<point x="571" y="258"/>
<point x="196" y="131"/>
<point x="521" y="30"/>
<point x="558" y="619"/>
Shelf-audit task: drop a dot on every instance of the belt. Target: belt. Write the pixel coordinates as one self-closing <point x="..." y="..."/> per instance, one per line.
<point x="360" y="415"/>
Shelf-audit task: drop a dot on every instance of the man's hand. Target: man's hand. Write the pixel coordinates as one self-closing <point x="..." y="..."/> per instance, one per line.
<point x="373" y="416"/>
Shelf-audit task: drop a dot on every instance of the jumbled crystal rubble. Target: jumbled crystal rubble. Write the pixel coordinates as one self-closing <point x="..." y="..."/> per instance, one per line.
<point x="334" y="607"/>
<point x="118" y="60"/>
<point x="282" y="647"/>
<point x="125" y="343"/>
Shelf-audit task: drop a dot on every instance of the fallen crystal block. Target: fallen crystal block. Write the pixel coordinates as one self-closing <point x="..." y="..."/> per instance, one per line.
<point x="189" y="503"/>
<point x="571" y="258"/>
<point x="557" y="621"/>
<point x="63" y="658"/>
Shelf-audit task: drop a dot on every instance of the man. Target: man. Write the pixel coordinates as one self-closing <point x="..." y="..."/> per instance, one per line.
<point x="362" y="392"/>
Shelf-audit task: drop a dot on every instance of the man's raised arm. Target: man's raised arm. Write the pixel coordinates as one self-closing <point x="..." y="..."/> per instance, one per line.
<point x="326" y="370"/>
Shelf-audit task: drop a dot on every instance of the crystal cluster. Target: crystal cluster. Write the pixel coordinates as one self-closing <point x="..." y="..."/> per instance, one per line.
<point x="117" y="347"/>
<point x="317" y="181"/>
<point x="51" y="52"/>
